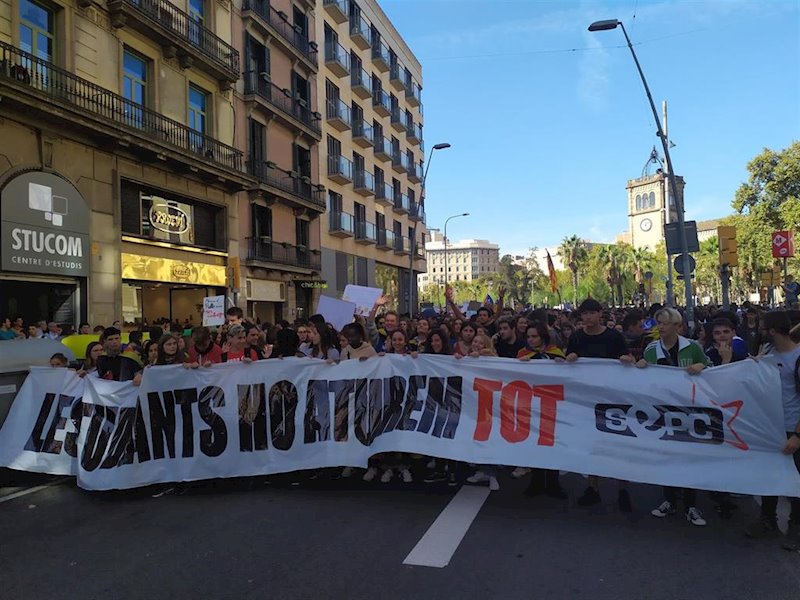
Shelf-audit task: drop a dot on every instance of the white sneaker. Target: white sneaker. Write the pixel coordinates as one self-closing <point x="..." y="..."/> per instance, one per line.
<point x="695" y="517"/>
<point x="406" y="474"/>
<point x="387" y="476"/>
<point x="370" y="474"/>
<point x="520" y="472"/>
<point x="479" y="477"/>
<point x="664" y="510"/>
<point x="347" y="472"/>
<point x="493" y="485"/>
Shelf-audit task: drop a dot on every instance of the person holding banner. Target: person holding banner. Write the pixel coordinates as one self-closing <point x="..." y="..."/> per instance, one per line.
<point x="204" y="352"/>
<point x="115" y="365"/>
<point x="323" y="343"/>
<point x="236" y="349"/>
<point x="596" y="340"/>
<point x="464" y="344"/>
<point x="674" y="350"/>
<point x="785" y="355"/>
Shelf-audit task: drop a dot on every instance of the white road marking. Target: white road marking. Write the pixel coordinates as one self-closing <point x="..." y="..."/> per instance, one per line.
<point x="443" y="537"/>
<point x="32" y="490"/>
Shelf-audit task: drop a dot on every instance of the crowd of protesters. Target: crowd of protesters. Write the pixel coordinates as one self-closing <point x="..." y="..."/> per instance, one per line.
<point x="631" y="335"/>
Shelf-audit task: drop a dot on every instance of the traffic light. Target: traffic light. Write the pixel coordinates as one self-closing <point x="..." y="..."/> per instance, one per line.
<point x="726" y="235"/>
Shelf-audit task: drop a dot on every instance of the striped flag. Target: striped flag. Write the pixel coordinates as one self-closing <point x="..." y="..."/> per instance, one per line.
<point x="551" y="271"/>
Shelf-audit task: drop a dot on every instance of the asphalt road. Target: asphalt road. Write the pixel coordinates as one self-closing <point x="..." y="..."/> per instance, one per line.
<point x="348" y="540"/>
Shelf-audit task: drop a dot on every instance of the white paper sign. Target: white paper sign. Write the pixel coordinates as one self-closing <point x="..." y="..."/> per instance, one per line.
<point x="213" y="311"/>
<point x="363" y="297"/>
<point x="336" y="312"/>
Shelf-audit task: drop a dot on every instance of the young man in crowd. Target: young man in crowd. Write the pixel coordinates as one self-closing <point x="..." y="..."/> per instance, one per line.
<point x="785" y="355"/>
<point x="115" y="365"/>
<point x="253" y="337"/>
<point x="508" y="343"/>
<point x="85" y="329"/>
<point x="674" y="350"/>
<point x="633" y="333"/>
<point x="723" y="351"/>
<point x="595" y="340"/>
<point x="204" y="352"/>
<point x="234" y="315"/>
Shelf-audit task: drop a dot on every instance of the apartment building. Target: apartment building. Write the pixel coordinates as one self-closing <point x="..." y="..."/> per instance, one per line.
<point x="279" y="127"/>
<point x="372" y="151"/>
<point x="465" y="260"/>
<point x="118" y="171"/>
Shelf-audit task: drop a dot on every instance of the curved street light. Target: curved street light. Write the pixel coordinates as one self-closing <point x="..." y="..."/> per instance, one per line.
<point x="447" y="266"/>
<point x="687" y="281"/>
<point x="412" y="283"/>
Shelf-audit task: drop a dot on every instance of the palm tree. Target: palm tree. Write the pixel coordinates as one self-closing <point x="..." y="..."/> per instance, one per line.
<point x="641" y="260"/>
<point x="623" y="261"/>
<point x="606" y="264"/>
<point x="572" y="251"/>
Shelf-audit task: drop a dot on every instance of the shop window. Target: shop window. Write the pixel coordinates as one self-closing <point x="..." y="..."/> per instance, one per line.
<point x="153" y="214"/>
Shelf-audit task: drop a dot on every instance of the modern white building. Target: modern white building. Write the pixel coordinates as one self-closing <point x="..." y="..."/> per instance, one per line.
<point x="467" y="260"/>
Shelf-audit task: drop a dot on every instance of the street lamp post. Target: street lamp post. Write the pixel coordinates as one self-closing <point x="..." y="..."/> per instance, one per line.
<point x="412" y="283"/>
<point x="687" y="282"/>
<point x="446" y="265"/>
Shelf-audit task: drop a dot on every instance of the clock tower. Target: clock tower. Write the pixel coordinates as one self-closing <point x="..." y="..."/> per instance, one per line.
<point x="647" y="202"/>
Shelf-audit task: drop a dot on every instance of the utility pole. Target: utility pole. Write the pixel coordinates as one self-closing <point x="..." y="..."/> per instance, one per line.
<point x="667" y="212"/>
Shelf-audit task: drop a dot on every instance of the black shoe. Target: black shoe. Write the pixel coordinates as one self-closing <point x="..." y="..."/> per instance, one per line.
<point x="762" y="529"/>
<point x="624" y="501"/>
<point x="590" y="497"/>
<point x="436" y="477"/>
<point x="451" y="480"/>
<point x="534" y="490"/>
<point x="555" y="492"/>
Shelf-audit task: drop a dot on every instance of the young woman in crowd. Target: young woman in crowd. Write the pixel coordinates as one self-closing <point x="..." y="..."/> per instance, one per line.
<point x="356" y="347"/>
<point x="482" y="345"/>
<point x="303" y="334"/>
<point x="522" y="327"/>
<point x="464" y="345"/>
<point x="437" y="343"/>
<point x="420" y="339"/>
<point x="169" y="352"/>
<point x="93" y="350"/>
<point x="287" y="344"/>
<point x="150" y="352"/>
<point x="538" y="346"/>
<point x="323" y="343"/>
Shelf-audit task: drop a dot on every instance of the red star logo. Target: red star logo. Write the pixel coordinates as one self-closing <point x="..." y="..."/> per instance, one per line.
<point x="735" y="407"/>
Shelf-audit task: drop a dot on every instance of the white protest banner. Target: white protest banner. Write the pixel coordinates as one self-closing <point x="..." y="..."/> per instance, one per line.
<point x="213" y="311"/>
<point x="336" y="312"/>
<point x="720" y="430"/>
<point x="363" y="297"/>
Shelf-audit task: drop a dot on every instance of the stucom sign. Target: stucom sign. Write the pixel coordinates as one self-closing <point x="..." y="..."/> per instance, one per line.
<point x="44" y="224"/>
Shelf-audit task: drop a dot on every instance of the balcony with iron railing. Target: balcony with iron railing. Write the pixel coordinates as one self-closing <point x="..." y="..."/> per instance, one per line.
<point x="361" y="82"/>
<point x="337" y="114"/>
<point x="340" y="169"/>
<point x="289" y="36"/>
<point x="383" y="148"/>
<point x="339" y="10"/>
<point x="384" y="194"/>
<point x="414" y="94"/>
<point x="366" y="232"/>
<point x="337" y="59"/>
<point x="289" y="185"/>
<point x="382" y="103"/>
<point x="381" y="57"/>
<point x="292" y="111"/>
<point x="397" y="76"/>
<point x="34" y="85"/>
<point x="341" y="224"/>
<point x="362" y="133"/>
<point x="180" y="35"/>
<point x="419" y="251"/>
<point x="361" y="33"/>
<point x="402" y="203"/>
<point x="364" y="183"/>
<point x="414" y="132"/>
<point x="263" y="249"/>
<point x="385" y="239"/>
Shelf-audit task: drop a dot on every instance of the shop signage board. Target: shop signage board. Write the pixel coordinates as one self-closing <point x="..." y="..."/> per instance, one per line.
<point x="44" y="224"/>
<point x="168" y="218"/>
<point x="150" y="268"/>
<point x="213" y="311"/>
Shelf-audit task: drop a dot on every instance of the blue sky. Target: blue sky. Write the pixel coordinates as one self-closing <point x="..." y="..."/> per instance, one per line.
<point x="544" y="139"/>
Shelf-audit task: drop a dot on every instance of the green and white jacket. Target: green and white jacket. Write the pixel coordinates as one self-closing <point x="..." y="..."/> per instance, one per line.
<point x="689" y="353"/>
